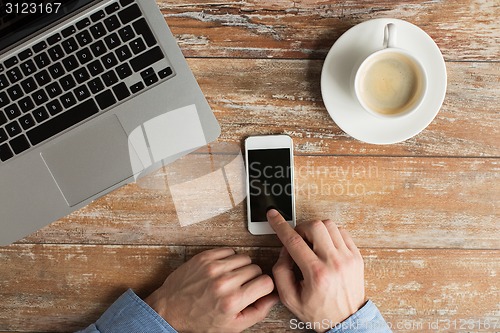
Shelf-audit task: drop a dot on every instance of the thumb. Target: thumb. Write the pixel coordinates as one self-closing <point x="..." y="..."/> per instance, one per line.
<point x="257" y="311"/>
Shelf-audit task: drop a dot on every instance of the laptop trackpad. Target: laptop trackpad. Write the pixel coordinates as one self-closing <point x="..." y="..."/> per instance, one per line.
<point x="91" y="160"/>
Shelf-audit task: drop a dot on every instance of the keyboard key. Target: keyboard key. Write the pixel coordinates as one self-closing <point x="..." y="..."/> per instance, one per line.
<point x="68" y="31"/>
<point x="5" y="153"/>
<point x="62" y="122"/>
<point x="97" y="16"/>
<point x="11" y="62"/>
<point x="26" y="104"/>
<point x="53" y="89"/>
<point x="40" y="97"/>
<point x="3" y="118"/>
<point x="54" y="39"/>
<point x="112" y="23"/>
<point x="83" y="38"/>
<point x="54" y="107"/>
<point x="3" y="81"/>
<point x="28" y="67"/>
<point x="126" y="33"/>
<point x="42" y="60"/>
<point x="13" y="129"/>
<point x="42" y="78"/>
<point x="96" y="85"/>
<point x="70" y="63"/>
<point x="146" y="59"/>
<point x="28" y="85"/>
<point x="82" y="24"/>
<point x="95" y="68"/>
<point x="84" y="55"/>
<point x="69" y="45"/>
<point x="39" y="47"/>
<point x="81" y="75"/>
<point x="123" y="53"/>
<point x="15" y="92"/>
<point x="27" y="121"/>
<point x="40" y="114"/>
<point x="105" y="99"/>
<point x="150" y="79"/>
<point x="137" y="45"/>
<point x="121" y="91"/>
<point x="3" y="135"/>
<point x="112" y="8"/>
<point x="12" y="111"/>
<point x="19" y="144"/>
<point x="14" y="75"/>
<point x="109" y="60"/>
<point x="55" y="53"/>
<point x="68" y="100"/>
<point x="125" y="2"/>
<point x="67" y="82"/>
<point x="81" y="93"/>
<point x="129" y="14"/>
<point x="109" y="78"/>
<point x="25" y="54"/>
<point x="112" y="41"/>
<point x="124" y="71"/>
<point x="98" y="30"/>
<point x="56" y="70"/>
<point x="137" y="87"/>
<point x="166" y="72"/>
<point x="4" y="99"/>
<point x="142" y="28"/>
<point x="98" y="48"/>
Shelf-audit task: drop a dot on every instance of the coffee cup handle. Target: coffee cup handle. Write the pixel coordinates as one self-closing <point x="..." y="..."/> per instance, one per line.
<point x="390" y="35"/>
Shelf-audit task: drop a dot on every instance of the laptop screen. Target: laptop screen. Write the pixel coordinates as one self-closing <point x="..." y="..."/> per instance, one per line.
<point x="19" y="19"/>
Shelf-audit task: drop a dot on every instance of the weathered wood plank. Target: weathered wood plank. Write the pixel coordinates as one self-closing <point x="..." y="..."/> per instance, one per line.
<point x="68" y="287"/>
<point x="253" y="97"/>
<point x="463" y="29"/>
<point x="385" y="202"/>
<point x="59" y="288"/>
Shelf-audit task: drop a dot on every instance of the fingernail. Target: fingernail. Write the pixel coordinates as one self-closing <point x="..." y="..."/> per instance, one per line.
<point x="272" y="213"/>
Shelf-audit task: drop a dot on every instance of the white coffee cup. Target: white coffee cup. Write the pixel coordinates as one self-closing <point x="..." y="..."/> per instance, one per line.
<point x="391" y="82"/>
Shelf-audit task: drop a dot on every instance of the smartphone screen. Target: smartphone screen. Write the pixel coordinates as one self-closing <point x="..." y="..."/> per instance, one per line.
<point x="270" y="183"/>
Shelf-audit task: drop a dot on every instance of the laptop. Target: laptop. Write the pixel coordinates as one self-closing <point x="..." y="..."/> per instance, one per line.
<point x="93" y="95"/>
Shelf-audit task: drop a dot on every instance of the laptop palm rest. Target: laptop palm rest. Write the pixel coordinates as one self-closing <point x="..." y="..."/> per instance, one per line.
<point x="91" y="160"/>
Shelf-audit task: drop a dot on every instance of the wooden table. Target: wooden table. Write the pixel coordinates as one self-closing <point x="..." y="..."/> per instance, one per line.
<point x="426" y="215"/>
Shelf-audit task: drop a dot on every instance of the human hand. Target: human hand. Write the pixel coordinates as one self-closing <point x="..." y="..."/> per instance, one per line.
<point x="216" y="291"/>
<point x="332" y="288"/>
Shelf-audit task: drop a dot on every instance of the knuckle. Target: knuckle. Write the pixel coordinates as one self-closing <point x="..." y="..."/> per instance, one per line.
<point x="211" y="269"/>
<point x="319" y="273"/>
<point x="228" y="304"/>
<point x="219" y="285"/>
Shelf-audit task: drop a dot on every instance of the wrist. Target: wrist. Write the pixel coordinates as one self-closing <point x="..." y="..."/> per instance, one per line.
<point x="158" y="305"/>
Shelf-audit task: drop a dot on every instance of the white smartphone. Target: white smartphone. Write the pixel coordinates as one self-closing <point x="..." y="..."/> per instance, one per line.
<point x="269" y="180"/>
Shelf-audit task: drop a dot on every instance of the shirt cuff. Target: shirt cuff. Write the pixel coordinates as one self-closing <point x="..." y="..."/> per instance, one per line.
<point x="368" y="319"/>
<point x="129" y="313"/>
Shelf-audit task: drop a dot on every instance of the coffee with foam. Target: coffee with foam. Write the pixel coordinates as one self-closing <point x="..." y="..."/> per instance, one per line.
<point x="390" y="83"/>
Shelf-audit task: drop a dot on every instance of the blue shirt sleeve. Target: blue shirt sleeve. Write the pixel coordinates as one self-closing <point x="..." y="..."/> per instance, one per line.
<point x="368" y="319"/>
<point x="129" y="313"/>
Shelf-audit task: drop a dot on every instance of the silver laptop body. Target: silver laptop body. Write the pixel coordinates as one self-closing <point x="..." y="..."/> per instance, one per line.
<point x="123" y="122"/>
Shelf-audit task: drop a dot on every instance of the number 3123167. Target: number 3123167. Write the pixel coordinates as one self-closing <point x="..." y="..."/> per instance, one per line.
<point x="32" y="8"/>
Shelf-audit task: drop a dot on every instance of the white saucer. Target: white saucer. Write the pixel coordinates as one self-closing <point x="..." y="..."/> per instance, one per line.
<point x="347" y="54"/>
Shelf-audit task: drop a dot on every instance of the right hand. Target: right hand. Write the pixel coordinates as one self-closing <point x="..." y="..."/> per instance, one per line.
<point x="332" y="288"/>
<point x="216" y="291"/>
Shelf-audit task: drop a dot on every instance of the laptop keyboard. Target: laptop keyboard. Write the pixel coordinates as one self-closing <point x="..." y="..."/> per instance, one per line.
<point x="83" y="69"/>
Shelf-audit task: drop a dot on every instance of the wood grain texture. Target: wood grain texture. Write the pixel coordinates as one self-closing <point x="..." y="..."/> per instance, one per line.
<point x="252" y="97"/>
<point x="463" y="29"/>
<point x="385" y="202"/>
<point x="69" y="286"/>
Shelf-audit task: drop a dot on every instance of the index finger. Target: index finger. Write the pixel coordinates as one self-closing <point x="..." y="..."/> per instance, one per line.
<point x="299" y="250"/>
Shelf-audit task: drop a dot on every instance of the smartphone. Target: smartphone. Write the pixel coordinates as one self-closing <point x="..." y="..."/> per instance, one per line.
<point x="269" y="180"/>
